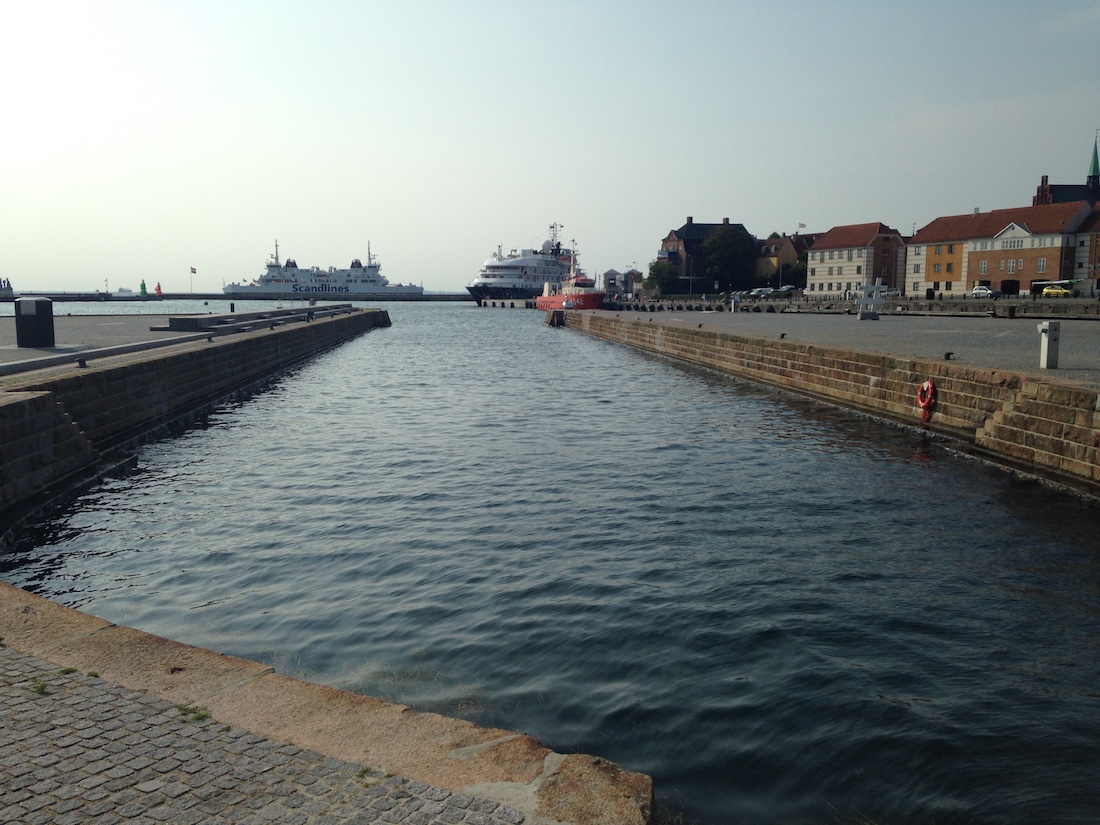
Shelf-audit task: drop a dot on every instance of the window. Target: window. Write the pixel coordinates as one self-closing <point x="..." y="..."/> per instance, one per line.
<point x="830" y="286"/>
<point x="830" y="272"/>
<point x="1012" y="267"/>
<point x="859" y="253"/>
<point x="950" y="249"/>
<point x="935" y="285"/>
<point x="848" y="286"/>
<point x="859" y="269"/>
<point x="813" y="271"/>
<point x="1002" y="265"/>
<point x="936" y="268"/>
<point x="1042" y="265"/>
<point x="830" y="254"/>
<point x="950" y="267"/>
<point x="839" y="271"/>
<point x="947" y="285"/>
<point x="916" y="269"/>
<point x="849" y="254"/>
<point x="915" y="286"/>
<point x="917" y="250"/>
<point x="983" y="267"/>
<point x="939" y="249"/>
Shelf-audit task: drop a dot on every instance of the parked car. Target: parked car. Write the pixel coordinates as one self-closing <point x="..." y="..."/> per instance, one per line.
<point x="787" y="288"/>
<point x="761" y="292"/>
<point x="1056" y="291"/>
<point x="985" y="292"/>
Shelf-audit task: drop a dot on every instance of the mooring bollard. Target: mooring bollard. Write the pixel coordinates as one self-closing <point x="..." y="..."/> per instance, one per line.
<point x="1048" y="344"/>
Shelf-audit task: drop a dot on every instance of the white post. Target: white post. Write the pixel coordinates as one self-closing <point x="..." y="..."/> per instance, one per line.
<point x="1049" y="332"/>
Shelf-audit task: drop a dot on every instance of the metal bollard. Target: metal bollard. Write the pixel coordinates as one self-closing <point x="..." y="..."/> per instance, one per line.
<point x="1049" y="332"/>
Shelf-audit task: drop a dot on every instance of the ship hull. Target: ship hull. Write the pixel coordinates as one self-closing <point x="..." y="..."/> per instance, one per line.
<point x="317" y="290"/>
<point x="503" y="293"/>
<point x="582" y="300"/>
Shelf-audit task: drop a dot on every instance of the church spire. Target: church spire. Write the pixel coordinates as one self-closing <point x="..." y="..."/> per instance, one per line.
<point x="1093" y="180"/>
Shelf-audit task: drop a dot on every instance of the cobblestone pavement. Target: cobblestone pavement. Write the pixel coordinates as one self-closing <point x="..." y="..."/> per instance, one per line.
<point x="75" y="748"/>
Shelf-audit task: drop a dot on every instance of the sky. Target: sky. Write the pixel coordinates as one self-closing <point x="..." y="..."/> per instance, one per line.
<point x="141" y="139"/>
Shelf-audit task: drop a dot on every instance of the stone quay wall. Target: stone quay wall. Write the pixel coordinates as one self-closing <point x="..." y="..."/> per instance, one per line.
<point x="1048" y="429"/>
<point x="56" y="423"/>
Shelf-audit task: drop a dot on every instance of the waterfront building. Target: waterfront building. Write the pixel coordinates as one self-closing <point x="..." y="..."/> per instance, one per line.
<point x="621" y="283"/>
<point x="1007" y="249"/>
<point x="845" y="257"/>
<point x="683" y="248"/>
<point x="780" y="250"/>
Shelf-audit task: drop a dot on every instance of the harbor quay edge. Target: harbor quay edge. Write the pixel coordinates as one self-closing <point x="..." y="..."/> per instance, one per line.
<point x="63" y="421"/>
<point x="1045" y="428"/>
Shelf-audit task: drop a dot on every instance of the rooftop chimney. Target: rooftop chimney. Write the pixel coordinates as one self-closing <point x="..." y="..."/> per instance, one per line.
<point x="689" y="219"/>
<point x="725" y="221"/>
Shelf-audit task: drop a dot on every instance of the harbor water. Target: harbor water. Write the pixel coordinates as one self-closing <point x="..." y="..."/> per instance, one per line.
<point x="782" y="611"/>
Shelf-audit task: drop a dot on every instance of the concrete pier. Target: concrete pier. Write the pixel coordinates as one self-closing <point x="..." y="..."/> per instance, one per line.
<point x="100" y="719"/>
<point x="990" y="400"/>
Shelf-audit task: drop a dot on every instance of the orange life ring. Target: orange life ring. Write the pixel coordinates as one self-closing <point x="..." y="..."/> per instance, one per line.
<point x="926" y="399"/>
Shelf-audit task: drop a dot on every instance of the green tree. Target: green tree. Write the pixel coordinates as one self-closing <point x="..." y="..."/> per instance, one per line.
<point x="729" y="257"/>
<point x="663" y="276"/>
<point x="795" y="274"/>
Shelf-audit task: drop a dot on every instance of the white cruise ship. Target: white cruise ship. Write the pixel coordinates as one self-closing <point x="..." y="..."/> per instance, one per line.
<point x="285" y="278"/>
<point x="522" y="273"/>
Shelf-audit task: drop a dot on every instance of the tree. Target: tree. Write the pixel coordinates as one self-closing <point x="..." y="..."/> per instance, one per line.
<point x="795" y="274"/>
<point x="729" y="257"/>
<point x="663" y="276"/>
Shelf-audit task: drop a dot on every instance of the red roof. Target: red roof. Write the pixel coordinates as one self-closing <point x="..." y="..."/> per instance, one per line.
<point x="1046" y="219"/>
<point x="1092" y="222"/>
<point x="853" y="236"/>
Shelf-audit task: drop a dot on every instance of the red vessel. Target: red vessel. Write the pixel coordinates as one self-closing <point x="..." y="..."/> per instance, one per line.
<point x="577" y="292"/>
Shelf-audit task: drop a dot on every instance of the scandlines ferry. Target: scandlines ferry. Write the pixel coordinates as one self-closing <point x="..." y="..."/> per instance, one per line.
<point x="285" y="278"/>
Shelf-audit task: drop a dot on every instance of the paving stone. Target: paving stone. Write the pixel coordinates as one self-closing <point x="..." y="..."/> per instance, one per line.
<point x="86" y="750"/>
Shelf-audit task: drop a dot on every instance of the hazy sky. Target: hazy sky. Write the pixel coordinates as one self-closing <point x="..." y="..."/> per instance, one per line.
<point x="139" y="139"/>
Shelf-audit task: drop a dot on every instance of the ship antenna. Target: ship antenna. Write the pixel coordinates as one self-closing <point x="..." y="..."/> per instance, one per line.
<point x="276" y="252"/>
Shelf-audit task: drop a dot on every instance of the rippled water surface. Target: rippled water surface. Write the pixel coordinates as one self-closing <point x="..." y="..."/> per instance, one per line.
<point x="782" y="612"/>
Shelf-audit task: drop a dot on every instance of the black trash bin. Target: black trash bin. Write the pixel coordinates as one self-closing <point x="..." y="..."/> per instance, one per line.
<point x="34" y="322"/>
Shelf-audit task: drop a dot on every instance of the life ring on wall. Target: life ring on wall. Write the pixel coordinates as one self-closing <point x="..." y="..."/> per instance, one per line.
<point x="926" y="399"/>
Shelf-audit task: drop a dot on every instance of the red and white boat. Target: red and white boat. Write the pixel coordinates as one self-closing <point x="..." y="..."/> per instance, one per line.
<point x="578" y="291"/>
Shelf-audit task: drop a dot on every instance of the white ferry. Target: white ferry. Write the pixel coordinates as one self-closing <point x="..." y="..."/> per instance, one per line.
<point x="285" y="278"/>
<point x="522" y="274"/>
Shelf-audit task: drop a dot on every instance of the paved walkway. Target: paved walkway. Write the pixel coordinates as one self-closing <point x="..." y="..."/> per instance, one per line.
<point x="75" y="748"/>
<point x="76" y="333"/>
<point x="977" y="339"/>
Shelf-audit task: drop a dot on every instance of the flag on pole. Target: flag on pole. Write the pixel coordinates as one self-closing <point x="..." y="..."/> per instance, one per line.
<point x="800" y="226"/>
<point x="192" y="270"/>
